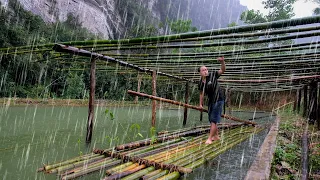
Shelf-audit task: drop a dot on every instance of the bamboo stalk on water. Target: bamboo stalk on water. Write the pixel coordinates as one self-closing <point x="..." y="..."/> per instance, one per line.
<point x="170" y="176"/>
<point x="88" y="166"/>
<point x="117" y="168"/>
<point x="152" y="173"/>
<point x="74" y="165"/>
<point x="156" y="176"/>
<point x="193" y="150"/>
<point x="219" y="151"/>
<point x="93" y="169"/>
<point x="76" y="159"/>
<point x="139" y="174"/>
<point x="127" y="171"/>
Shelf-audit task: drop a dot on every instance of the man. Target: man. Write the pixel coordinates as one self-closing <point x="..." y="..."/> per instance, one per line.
<point x="209" y="86"/>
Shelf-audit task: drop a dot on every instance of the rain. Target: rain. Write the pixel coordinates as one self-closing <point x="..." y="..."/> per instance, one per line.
<point x="109" y="89"/>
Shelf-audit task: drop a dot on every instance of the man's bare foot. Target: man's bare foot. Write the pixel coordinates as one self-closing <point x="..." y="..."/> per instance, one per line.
<point x="208" y="141"/>
<point x="215" y="138"/>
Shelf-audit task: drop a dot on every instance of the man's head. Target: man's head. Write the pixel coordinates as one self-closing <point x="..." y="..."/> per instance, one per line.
<point x="203" y="71"/>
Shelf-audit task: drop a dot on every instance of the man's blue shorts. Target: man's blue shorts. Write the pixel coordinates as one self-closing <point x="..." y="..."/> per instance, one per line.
<point x="214" y="112"/>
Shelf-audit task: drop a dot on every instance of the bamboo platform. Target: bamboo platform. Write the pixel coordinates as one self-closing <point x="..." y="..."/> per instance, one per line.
<point x="169" y="156"/>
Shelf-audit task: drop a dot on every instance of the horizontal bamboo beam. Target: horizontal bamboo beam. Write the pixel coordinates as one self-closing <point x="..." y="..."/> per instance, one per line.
<point x="81" y="52"/>
<point x="226" y="53"/>
<point x="228" y="43"/>
<point x="187" y="105"/>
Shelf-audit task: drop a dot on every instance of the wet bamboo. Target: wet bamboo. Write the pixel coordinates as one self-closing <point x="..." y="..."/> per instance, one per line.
<point x="183" y="156"/>
<point x="291" y="47"/>
<point x="305" y="100"/>
<point x="76" y="159"/>
<point x="186" y="100"/>
<point x="93" y="169"/>
<point x="74" y="165"/>
<point x="161" y="139"/>
<point x="220" y="53"/>
<point x="187" y="105"/>
<point x="91" y="100"/>
<point x="155" y="175"/>
<point x="125" y="173"/>
<point x="150" y="174"/>
<point x="88" y="166"/>
<point x="154" y="102"/>
<point x="139" y="174"/>
<point x="117" y="168"/>
<point x="218" y="152"/>
<point x="201" y="151"/>
<point x="229" y="36"/>
<point x="228" y="43"/>
<point x="171" y="176"/>
<point x="81" y="52"/>
<point x="291" y="56"/>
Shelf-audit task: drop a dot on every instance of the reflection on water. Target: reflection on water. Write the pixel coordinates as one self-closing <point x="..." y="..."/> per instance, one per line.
<point x="34" y="135"/>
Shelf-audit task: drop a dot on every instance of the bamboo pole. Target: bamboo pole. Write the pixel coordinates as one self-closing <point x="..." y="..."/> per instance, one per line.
<point x="186" y="98"/>
<point x="170" y="176"/>
<point x="291" y="47"/>
<point x="187" y="105"/>
<point x="299" y="100"/>
<point x="178" y="60"/>
<point x="138" y="88"/>
<point x="305" y="100"/>
<point x="155" y="175"/>
<point x="76" y="159"/>
<point x="87" y="171"/>
<point x="228" y="43"/>
<point x="74" y="165"/>
<point x="154" y="102"/>
<point x="81" y="52"/>
<point x="91" y="100"/>
<point x="139" y="174"/>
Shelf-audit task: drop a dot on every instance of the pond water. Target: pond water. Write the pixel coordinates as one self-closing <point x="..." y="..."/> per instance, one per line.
<point x="31" y="136"/>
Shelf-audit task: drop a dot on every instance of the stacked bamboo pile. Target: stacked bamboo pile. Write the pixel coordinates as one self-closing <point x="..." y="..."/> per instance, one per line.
<point x="167" y="157"/>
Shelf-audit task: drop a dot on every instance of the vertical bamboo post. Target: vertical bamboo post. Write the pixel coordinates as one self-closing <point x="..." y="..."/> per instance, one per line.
<point x="299" y="100"/>
<point x="91" y="100"/>
<point x="185" y="115"/>
<point x="313" y="102"/>
<point x="318" y="111"/>
<point x="295" y="102"/>
<point x="201" y="115"/>
<point x="138" y="89"/>
<point x="305" y="100"/>
<point x="154" y="102"/>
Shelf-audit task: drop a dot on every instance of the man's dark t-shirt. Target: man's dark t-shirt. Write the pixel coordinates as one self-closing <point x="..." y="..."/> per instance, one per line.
<point x="211" y="88"/>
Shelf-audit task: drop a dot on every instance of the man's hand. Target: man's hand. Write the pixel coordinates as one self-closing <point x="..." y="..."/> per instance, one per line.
<point x="201" y="106"/>
<point x="221" y="59"/>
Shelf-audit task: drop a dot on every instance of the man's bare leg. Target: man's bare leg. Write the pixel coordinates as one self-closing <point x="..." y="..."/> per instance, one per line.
<point x="212" y="133"/>
<point x="215" y="135"/>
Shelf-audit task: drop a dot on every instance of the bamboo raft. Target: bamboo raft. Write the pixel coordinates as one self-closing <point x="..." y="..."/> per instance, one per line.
<point x="169" y="156"/>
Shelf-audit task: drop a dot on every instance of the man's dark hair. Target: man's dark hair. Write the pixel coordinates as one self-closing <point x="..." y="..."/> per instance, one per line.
<point x="199" y="68"/>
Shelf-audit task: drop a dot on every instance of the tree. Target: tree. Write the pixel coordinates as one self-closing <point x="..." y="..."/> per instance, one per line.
<point x="181" y="26"/>
<point x="278" y="9"/>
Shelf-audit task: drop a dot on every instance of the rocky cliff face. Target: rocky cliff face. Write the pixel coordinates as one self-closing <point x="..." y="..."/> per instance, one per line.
<point x="109" y="18"/>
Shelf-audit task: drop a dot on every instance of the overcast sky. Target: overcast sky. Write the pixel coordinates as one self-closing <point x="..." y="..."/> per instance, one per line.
<point x="301" y="7"/>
